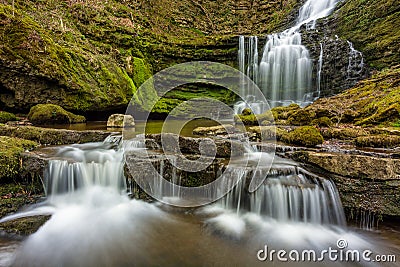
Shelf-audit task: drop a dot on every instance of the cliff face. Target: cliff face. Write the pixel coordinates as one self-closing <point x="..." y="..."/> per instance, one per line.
<point x="355" y="26"/>
<point x="93" y="55"/>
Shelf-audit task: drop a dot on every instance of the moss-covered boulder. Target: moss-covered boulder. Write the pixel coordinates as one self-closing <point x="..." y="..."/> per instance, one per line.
<point x="308" y="136"/>
<point x="43" y="114"/>
<point x="264" y="133"/>
<point x="7" y="116"/>
<point x="255" y="119"/>
<point x="283" y="112"/>
<point x="10" y="155"/>
<point x="301" y="117"/>
<point x="322" y="122"/>
<point x="344" y="133"/>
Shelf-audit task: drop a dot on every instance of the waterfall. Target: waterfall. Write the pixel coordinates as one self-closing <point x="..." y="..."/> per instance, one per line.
<point x="289" y="194"/>
<point x="82" y="166"/>
<point x="284" y="73"/>
<point x="320" y="61"/>
<point x="356" y="62"/>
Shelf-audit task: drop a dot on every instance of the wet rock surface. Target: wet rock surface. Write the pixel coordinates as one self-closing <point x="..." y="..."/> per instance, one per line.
<point x="206" y="146"/>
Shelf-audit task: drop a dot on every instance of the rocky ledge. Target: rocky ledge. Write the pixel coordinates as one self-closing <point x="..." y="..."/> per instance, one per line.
<point x="49" y="136"/>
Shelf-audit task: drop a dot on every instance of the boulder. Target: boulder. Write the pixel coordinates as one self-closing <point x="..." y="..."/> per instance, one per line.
<point x="6" y="116"/>
<point x="215" y="130"/>
<point x="43" y="114"/>
<point x="120" y="120"/>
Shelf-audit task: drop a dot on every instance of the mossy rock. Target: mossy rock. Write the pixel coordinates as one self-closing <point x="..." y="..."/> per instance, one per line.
<point x="301" y="117"/>
<point x="247" y="111"/>
<point x="255" y="119"/>
<point x="43" y="114"/>
<point x="10" y="152"/>
<point x="344" y="133"/>
<point x="264" y="133"/>
<point x="7" y="116"/>
<point x="322" y="122"/>
<point x="374" y="101"/>
<point x="381" y="141"/>
<point x="283" y="112"/>
<point x="390" y="114"/>
<point x="308" y="136"/>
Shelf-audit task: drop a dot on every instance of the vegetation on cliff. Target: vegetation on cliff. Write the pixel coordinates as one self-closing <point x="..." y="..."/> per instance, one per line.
<point x="372" y="26"/>
<point x="93" y="55"/>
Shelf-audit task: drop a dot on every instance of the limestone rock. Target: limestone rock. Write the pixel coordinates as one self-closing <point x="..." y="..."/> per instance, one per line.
<point x="215" y="130"/>
<point x="120" y="120"/>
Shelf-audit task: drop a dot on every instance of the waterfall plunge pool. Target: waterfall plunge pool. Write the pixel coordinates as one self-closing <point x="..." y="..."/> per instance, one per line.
<point x="93" y="224"/>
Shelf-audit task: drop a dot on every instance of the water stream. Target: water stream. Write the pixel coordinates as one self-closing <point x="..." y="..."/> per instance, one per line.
<point x="94" y="223"/>
<point x="284" y="73"/>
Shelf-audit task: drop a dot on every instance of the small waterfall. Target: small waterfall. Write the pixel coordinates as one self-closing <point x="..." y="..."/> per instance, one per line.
<point x="82" y="166"/>
<point x="320" y="62"/>
<point x="285" y="69"/>
<point x="284" y="73"/>
<point x="289" y="194"/>
<point x="356" y="62"/>
<point x="313" y="10"/>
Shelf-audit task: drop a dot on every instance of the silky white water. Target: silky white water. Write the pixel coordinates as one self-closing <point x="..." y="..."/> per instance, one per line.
<point x="94" y="223"/>
<point x="284" y="72"/>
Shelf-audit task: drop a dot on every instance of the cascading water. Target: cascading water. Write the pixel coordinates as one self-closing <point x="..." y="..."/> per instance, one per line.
<point x="284" y="73"/>
<point x="290" y="194"/>
<point x="93" y="224"/>
<point x="86" y="165"/>
<point x="356" y="62"/>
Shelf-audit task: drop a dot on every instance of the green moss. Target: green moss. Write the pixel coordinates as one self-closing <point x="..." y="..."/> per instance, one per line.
<point x="247" y="112"/>
<point x="283" y="112"/>
<point x="7" y="116"/>
<point x="382" y="140"/>
<point x="255" y="119"/>
<point x="301" y="117"/>
<point x="42" y="114"/>
<point x="374" y="101"/>
<point x="369" y="25"/>
<point x="141" y="71"/>
<point x="308" y="136"/>
<point x="322" y="122"/>
<point x="344" y="133"/>
<point x="93" y="55"/>
<point x="10" y="151"/>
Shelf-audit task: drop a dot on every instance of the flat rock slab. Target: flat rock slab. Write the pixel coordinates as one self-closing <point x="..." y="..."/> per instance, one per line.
<point x="49" y="136"/>
<point x="221" y="148"/>
<point x="358" y="166"/>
